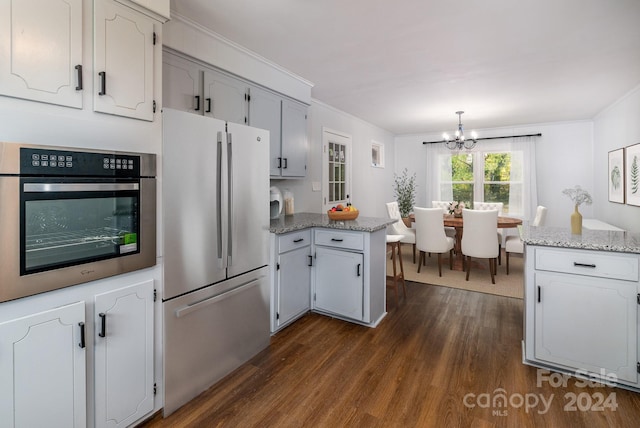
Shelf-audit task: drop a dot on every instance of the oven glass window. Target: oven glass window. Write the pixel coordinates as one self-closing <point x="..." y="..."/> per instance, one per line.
<point x="64" y="232"/>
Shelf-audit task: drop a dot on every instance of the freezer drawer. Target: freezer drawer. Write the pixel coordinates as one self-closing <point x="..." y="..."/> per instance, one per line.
<point x="210" y="332"/>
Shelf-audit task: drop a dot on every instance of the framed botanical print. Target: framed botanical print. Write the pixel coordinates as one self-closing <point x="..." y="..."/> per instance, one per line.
<point x="632" y="174"/>
<point x="616" y="176"/>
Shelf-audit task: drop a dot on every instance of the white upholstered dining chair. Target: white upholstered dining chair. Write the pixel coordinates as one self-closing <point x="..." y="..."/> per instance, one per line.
<point x="430" y="236"/>
<point x="444" y="205"/>
<point x="513" y="243"/>
<point x="399" y="228"/>
<point x="480" y="238"/>
<point x="477" y="205"/>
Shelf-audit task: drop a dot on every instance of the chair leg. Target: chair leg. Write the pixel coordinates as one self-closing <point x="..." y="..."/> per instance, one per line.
<point x="500" y="254"/>
<point x="420" y="259"/>
<point x="468" y="260"/>
<point x="450" y="259"/>
<point x="439" y="264"/>
<point x="507" y="256"/>
<point x="414" y="254"/>
<point x="492" y="268"/>
<point x="404" y="285"/>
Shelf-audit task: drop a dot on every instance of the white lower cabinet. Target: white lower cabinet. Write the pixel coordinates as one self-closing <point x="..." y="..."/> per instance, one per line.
<point x="292" y="278"/>
<point x="49" y="348"/>
<point x="335" y="272"/>
<point x="581" y="312"/>
<point x="43" y="369"/>
<point x="587" y="323"/>
<point x="349" y="274"/>
<point x="339" y="282"/>
<point x="123" y="337"/>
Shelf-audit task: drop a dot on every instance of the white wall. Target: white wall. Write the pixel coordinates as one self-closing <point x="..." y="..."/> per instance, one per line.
<point x="615" y="127"/>
<point x="371" y="187"/>
<point x="563" y="159"/>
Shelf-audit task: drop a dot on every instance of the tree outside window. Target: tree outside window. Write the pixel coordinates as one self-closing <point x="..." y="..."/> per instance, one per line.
<point x="483" y="176"/>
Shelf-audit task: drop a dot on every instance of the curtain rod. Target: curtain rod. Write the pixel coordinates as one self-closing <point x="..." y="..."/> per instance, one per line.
<point x="490" y="138"/>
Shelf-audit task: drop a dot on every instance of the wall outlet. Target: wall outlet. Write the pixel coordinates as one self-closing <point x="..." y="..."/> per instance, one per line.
<point x="316" y="186"/>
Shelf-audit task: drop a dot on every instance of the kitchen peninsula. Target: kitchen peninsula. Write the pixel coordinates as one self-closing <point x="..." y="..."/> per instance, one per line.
<point x="336" y="268"/>
<point x="581" y="303"/>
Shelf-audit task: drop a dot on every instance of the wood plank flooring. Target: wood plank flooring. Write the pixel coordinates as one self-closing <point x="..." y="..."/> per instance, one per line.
<point x="436" y="351"/>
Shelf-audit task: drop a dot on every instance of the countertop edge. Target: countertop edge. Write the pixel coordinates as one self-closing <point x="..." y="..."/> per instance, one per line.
<point x="292" y="223"/>
<point x="596" y="240"/>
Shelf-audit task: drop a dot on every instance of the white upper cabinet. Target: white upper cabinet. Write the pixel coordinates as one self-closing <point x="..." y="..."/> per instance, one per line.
<point x="225" y="97"/>
<point x="41" y="50"/>
<point x="265" y="111"/>
<point x="294" y="139"/>
<point x="181" y="84"/>
<point x="123" y="61"/>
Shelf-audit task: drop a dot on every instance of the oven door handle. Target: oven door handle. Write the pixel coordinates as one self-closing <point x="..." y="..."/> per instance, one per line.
<point x="78" y="187"/>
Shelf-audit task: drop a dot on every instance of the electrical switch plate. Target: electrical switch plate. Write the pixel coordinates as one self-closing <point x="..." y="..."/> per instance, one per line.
<point x="316" y="186"/>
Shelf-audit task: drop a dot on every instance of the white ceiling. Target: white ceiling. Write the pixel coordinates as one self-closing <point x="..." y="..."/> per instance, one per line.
<point x="409" y="65"/>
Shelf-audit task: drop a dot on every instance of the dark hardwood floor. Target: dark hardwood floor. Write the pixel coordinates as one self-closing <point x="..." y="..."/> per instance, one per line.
<point x="441" y="358"/>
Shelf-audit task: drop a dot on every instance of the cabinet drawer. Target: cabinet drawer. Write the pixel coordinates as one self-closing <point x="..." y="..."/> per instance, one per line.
<point x="339" y="239"/>
<point x="614" y="265"/>
<point x="293" y="240"/>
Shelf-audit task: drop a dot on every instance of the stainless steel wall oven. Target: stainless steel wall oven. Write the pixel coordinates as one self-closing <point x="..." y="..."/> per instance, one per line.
<point x="69" y="216"/>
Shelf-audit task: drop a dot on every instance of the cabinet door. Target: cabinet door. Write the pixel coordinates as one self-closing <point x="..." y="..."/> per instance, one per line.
<point x="181" y="84"/>
<point x="124" y="355"/>
<point x="42" y="369"/>
<point x="40" y="47"/>
<point x="587" y="323"/>
<point x="123" y="50"/>
<point x="294" y="284"/>
<point x="265" y="113"/>
<point x="339" y="285"/>
<point x="294" y="139"/>
<point x="225" y="98"/>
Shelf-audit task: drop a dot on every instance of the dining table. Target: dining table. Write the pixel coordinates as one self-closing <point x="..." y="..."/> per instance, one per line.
<point x="451" y="220"/>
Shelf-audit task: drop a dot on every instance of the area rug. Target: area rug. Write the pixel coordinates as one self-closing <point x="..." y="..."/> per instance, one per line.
<point x="511" y="285"/>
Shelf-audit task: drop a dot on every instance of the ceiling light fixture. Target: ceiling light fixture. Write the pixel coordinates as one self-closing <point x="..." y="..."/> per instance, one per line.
<point x="460" y="142"/>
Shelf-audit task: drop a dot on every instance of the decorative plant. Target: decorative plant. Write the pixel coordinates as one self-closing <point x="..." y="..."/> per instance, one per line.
<point x="404" y="190"/>
<point x="578" y="195"/>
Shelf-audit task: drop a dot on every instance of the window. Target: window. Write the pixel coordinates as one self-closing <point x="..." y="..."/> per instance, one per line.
<point x="336" y="148"/>
<point x="377" y="154"/>
<point x="494" y="171"/>
<point x="482" y="176"/>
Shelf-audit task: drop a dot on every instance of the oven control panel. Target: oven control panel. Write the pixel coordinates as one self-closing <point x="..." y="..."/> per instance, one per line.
<point x="51" y="162"/>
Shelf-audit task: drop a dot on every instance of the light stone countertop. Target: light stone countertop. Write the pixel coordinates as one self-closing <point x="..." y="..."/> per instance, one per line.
<point x="601" y="240"/>
<point x="290" y="223"/>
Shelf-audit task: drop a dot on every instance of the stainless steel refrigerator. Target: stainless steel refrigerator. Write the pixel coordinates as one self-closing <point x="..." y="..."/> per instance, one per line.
<point x="215" y="180"/>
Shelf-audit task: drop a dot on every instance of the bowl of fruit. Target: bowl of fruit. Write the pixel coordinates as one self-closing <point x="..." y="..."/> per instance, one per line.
<point x="341" y="212"/>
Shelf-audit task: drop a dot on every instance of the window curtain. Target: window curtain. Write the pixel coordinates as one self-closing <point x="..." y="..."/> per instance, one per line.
<point x="523" y="199"/>
<point x="438" y="169"/>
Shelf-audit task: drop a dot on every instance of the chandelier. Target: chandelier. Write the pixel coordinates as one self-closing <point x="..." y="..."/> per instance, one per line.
<point x="460" y="142"/>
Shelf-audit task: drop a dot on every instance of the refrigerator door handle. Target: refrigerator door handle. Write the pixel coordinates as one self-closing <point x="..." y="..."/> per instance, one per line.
<point x="219" y="199"/>
<point x="230" y="200"/>
<point x="186" y="310"/>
